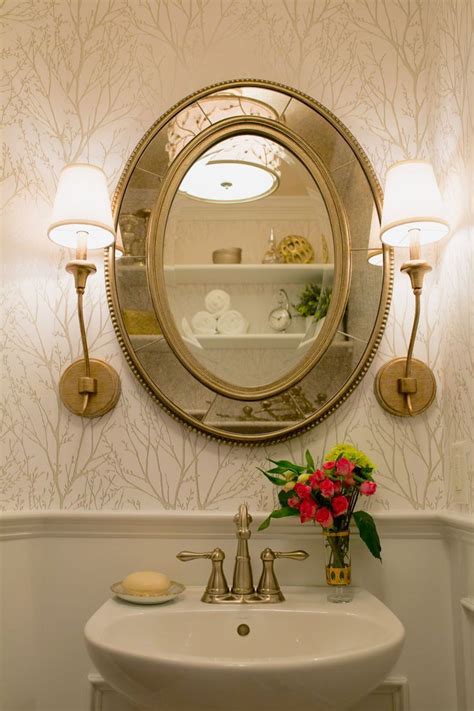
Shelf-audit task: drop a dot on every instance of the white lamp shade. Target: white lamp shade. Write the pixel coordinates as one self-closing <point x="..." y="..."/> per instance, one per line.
<point x="375" y="248"/>
<point x="119" y="248"/>
<point x="82" y="204"/>
<point x="412" y="201"/>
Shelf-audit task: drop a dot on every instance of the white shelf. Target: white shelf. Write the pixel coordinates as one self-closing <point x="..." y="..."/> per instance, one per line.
<point x="252" y="340"/>
<point x="274" y="341"/>
<point x="247" y="273"/>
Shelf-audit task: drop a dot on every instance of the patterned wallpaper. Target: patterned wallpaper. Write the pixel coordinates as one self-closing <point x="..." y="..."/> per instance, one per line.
<point x="83" y="80"/>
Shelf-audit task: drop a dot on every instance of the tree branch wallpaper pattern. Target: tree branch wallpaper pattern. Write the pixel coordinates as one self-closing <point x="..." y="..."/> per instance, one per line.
<point x="82" y="81"/>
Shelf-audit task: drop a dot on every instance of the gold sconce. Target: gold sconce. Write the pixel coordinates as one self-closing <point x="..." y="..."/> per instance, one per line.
<point x="412" y="215"/>
<point x="82" y="220"/>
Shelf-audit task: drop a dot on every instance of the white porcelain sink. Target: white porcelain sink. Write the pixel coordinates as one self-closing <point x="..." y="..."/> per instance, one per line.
<point x="188" y="656"/>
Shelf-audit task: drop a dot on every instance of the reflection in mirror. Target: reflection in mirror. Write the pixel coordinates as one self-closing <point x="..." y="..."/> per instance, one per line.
<point x="248" y="260"/>
<point x="267" y="254"/>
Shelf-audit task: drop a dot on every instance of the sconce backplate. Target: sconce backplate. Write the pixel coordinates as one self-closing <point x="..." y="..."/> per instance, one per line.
<point x="100" y="402"/>
<point x="387" y="387"/>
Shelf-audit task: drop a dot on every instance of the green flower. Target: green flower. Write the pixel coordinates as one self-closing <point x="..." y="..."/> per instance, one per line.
<point x="353" y="455"/>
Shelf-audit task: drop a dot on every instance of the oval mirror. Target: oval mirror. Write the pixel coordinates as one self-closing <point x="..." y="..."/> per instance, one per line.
<point x="244" y="300"/>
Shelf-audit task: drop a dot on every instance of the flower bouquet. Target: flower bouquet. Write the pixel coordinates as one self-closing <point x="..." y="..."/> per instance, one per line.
<point x="328" y="496"/>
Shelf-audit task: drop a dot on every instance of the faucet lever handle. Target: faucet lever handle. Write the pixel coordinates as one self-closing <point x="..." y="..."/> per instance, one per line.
<point x="268" y="585"/>
<point x="217" y="584"/>
<point x="184" y="556"/>
<point x="294" y="555"/>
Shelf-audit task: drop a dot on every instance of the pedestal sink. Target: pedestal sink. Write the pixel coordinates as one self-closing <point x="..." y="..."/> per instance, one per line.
<point x="305" y="653"/>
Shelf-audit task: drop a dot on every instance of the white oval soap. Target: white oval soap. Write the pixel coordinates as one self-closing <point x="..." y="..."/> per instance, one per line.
<point x="146" y="583"/>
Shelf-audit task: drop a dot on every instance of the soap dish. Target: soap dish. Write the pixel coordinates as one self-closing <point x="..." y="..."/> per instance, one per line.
<point x="173" y="591"/>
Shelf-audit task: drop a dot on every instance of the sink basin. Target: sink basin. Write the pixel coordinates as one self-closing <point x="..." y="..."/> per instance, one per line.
<point x="188" y="656"/>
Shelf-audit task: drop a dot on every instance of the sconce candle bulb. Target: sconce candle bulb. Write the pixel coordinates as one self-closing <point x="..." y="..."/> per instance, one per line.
<point x="82" y="219"/>
<point x="412" y="215"/>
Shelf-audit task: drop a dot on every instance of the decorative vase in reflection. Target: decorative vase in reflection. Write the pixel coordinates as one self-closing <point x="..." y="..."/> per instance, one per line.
<point x="271" y="255"/>
<point x="338" y="565"/>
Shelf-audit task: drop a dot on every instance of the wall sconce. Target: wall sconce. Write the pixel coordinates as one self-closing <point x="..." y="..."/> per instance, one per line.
<point x="413" y="215"/>
<point x="82" y="220"/>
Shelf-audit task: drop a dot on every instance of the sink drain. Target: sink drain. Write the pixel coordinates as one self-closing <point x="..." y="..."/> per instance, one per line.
<point x="243" y="630"/>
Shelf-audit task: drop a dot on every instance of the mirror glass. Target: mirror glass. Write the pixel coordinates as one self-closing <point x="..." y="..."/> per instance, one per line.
<point x="243" y="299"/>
<point x="242" y="209"/>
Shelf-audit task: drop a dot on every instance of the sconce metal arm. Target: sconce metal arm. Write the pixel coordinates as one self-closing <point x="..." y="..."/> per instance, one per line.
<point x="406" y="381"/>
<point x="85" y="347"/>
<point x="406" y="386"/>
<point x="88" y="387"/>
<point x="81" y="270"/>
<point x="416" y="270"/>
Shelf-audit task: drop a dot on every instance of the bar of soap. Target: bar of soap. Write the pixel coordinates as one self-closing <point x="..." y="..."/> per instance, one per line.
<point x="146" y="583"/>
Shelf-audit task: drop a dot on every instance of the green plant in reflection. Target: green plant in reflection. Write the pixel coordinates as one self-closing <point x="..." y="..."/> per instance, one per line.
<point x="314" y="301"/>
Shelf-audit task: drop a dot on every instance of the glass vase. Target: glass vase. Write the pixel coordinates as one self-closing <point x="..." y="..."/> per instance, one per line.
<point x="338" y="565"/>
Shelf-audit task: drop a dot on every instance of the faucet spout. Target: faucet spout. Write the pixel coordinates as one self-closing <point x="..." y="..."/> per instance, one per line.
<point x="243" y="520"/>
<point x="243" y="579"/>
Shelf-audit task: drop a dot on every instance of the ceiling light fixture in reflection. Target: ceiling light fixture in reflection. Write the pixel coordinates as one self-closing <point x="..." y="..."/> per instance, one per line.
<point x="238" y="169"/>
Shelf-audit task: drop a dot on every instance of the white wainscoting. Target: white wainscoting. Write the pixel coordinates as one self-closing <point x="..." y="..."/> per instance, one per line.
<point x="467" y="604"/>
<point x="57" y="568"/>
<point x="391" y="695"/>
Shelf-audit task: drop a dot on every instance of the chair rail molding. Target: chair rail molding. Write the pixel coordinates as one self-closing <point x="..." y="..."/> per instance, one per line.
<point x="208" y="524"/>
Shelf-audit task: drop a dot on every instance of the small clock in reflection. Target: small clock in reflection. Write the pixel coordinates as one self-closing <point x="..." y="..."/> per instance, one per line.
<point x="280" y="317"/>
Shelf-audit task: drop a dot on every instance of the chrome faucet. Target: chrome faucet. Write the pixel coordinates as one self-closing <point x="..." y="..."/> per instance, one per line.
<point x="242" y="583"/>
<point x="243" y="590"/>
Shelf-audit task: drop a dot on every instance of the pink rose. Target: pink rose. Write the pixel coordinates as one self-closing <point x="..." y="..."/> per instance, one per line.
<point x="340" y="505"/>
<point x="337" y="487"/>
<point x="316" y="478"/>
<point x="329" y="465"/>
<point x="308" y="510"/>
<point x="327" y="488"/>
<point x="349" y="480"/>
<point x="324" y="517"/>
<point x="368" y="488"/>
<point x="303" y="490"/>
<point x="294" y="502"/>
<point x="344" y="466"/>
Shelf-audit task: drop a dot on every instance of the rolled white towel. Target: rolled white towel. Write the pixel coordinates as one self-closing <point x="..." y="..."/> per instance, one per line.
<point x="232" y="323"/>
<point x="204" y="323"/>
<point x="217" y="301"/>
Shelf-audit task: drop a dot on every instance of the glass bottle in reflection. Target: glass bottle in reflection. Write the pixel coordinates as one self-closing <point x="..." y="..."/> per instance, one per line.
<point x="271" y="255"/>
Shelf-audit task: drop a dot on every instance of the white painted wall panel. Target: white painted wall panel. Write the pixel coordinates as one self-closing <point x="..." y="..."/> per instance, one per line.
<point x="70" y="574"/>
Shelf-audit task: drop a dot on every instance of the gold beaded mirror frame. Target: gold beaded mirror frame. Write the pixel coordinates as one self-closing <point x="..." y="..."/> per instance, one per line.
<point x="196" y="299"/>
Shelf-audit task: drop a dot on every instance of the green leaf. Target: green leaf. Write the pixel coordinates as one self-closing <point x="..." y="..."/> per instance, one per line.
<point x="309" y="460"/>
<point x="278" y="513"/>
<point x="265" y="524"/>
<point x="288" y="466"/>
<point x="284" y="512"/>
<point x="368" y="532"/>
<point x="273" y="479"/>
<point x="277" y="470"/>
<point x="283" y="496"/>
